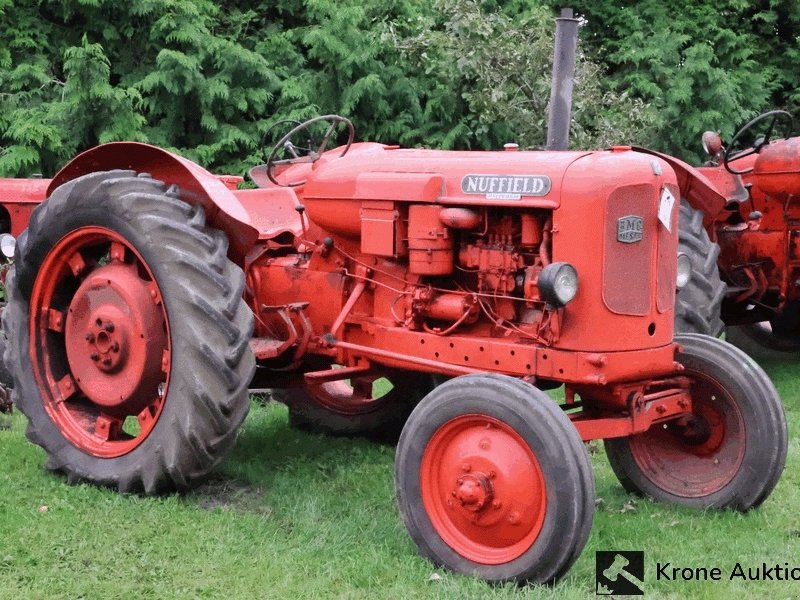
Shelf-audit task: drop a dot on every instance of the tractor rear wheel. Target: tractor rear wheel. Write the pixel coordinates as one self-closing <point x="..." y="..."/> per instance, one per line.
<point x="492" y="479"/>
<point x="128" y="335"/>
<point x="366" y="406"/>
<point x="698" y="304"/>
<point x="5" y="374"/>
<point x="729" y="454"/>
<point x="776" y="338"/>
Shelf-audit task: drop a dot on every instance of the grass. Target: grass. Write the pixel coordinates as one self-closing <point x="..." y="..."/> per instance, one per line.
<point x="293" y="515"/>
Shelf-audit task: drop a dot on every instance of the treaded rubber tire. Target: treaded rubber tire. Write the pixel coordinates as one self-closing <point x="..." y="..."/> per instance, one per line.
<point x="698" y="304"/>
<point x="210" y="326"/>
<point x="760" y="341"/>
<point x="764" y="420"/>
<point x="5" y="375"/>
<point x="553" y="440"/>
<point x="384" y="418"/>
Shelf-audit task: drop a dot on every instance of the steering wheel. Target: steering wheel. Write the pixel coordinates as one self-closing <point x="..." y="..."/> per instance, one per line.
<point x="773" y="117"/>
<point x="306" y="154"/>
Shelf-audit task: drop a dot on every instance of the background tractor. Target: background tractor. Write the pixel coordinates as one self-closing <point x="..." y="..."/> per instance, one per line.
<point x="745" y="242"/>
<point x="147" y="296"/>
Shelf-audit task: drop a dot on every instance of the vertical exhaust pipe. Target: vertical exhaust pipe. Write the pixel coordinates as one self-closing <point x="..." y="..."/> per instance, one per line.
<point x="563" y="80"/>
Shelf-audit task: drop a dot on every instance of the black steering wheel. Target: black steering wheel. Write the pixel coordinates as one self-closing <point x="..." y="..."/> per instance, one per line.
<point x="307" y="153"/>
<point x="773" y="117"/>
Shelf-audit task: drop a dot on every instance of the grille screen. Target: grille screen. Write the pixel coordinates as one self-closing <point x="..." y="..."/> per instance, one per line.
<point x="629" y="240"/>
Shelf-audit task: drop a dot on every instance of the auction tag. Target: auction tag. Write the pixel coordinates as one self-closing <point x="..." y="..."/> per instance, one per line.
<point x="665" y="208"/>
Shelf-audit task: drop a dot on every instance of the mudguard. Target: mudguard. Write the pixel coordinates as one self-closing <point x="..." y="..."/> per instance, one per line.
<point x="198" y="186"/>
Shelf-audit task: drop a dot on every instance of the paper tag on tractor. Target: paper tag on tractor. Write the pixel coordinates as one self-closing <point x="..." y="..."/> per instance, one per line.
<point x="665" y="208"/>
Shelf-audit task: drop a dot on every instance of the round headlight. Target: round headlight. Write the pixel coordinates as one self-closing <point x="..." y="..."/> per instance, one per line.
<point x="558" y="284"/>
<point x="684" y="270"/>
<point x="7" y="245"/>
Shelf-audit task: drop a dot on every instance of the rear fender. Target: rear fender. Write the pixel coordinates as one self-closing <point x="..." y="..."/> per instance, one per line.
<point x="18" y="198"/>
<point x="198" y="186"/>
<point x="706" y="195"/>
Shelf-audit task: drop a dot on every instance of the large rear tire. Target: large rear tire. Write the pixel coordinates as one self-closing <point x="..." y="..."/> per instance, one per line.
<point x="492" y="479"/>
<point x="778" y="338"/>
<point x="361" y="406"/>
<point x="698" y="304"/>
<point x="729" y="454"/>
<point x="128" y="335"/>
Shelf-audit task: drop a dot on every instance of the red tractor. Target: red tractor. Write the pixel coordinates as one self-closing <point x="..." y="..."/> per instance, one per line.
<point x="744" y="240"/>
<point x="147" y="296"/>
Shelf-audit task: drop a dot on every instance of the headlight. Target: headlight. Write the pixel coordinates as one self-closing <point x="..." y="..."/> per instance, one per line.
<point x="7" y="245"/>
<point x="684" y="270"/>
<point x="558" y="284"/>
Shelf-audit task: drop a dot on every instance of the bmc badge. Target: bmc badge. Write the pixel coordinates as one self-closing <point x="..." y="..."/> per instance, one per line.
<point x="630" y="229"/>
<point x="506" y="187"/>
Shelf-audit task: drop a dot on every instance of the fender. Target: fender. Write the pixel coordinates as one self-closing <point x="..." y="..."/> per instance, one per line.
<point x="198" y="186"/>
<point x="18" y="198"/>
<point x="710" y="197"/>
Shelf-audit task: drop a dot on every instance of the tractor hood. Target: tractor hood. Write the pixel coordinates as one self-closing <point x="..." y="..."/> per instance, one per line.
<point x="521" y="179"/>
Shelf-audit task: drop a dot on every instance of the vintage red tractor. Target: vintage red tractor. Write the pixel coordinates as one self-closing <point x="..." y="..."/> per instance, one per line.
<point x="744" y="242"/>
<point x="147" y="295"/>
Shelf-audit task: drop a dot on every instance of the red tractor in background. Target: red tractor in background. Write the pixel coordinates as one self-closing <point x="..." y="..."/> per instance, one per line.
<point x="744" y="241"/>
<point x="147" y="296"/>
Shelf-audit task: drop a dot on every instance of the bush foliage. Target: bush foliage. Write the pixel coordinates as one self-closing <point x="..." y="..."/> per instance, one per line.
<point x="208" y="79"/>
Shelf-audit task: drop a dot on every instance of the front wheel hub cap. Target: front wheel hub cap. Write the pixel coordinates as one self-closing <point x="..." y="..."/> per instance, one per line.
<point x="114" y="334"/>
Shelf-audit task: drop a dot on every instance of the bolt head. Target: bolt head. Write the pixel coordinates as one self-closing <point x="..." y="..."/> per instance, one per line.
<point x="107" y="361"/>
<point x="466" y="467"/>
<point x="89" y="337"/>
<point x="94" y="356"/>
<point x="109" y="327"/>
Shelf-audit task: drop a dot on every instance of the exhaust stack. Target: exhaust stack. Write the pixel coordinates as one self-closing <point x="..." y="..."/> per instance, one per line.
<point x="563" y="80"/>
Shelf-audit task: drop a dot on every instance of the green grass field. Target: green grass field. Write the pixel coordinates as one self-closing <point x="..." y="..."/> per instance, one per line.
<point x="293" y="515"/>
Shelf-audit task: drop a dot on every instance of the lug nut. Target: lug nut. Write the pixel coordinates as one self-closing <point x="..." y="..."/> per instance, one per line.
<point x="94" y="356"/>
<point x="109" y="327"/>
<point x="107" y="361"/>
<point x="89" y="337"/>
<point x="115" y="347"/>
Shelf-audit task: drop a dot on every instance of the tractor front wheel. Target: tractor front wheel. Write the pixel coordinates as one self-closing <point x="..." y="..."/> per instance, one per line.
<point x="729" y="453"/>
<point x="492" y="479"/>
<point x="128" y="335"/>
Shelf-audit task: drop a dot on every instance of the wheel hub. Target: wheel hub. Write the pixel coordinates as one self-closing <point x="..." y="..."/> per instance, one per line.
<point x="474" y="491"/>
<point x="107" y="345"/>
<point x="693" y="429"/>
<point x="114" y="335"/>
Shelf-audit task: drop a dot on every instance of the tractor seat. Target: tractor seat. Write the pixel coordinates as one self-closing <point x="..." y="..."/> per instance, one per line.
<point x="272" y="211"/>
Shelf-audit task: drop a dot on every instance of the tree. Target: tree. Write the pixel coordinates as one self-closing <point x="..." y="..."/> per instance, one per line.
<point x="700" y="65"/>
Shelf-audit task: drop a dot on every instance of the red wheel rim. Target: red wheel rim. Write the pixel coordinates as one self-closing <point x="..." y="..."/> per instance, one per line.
<point x="99" y="342"/>
<point x="483" y="489"/>
<point x="698" y="456"/>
